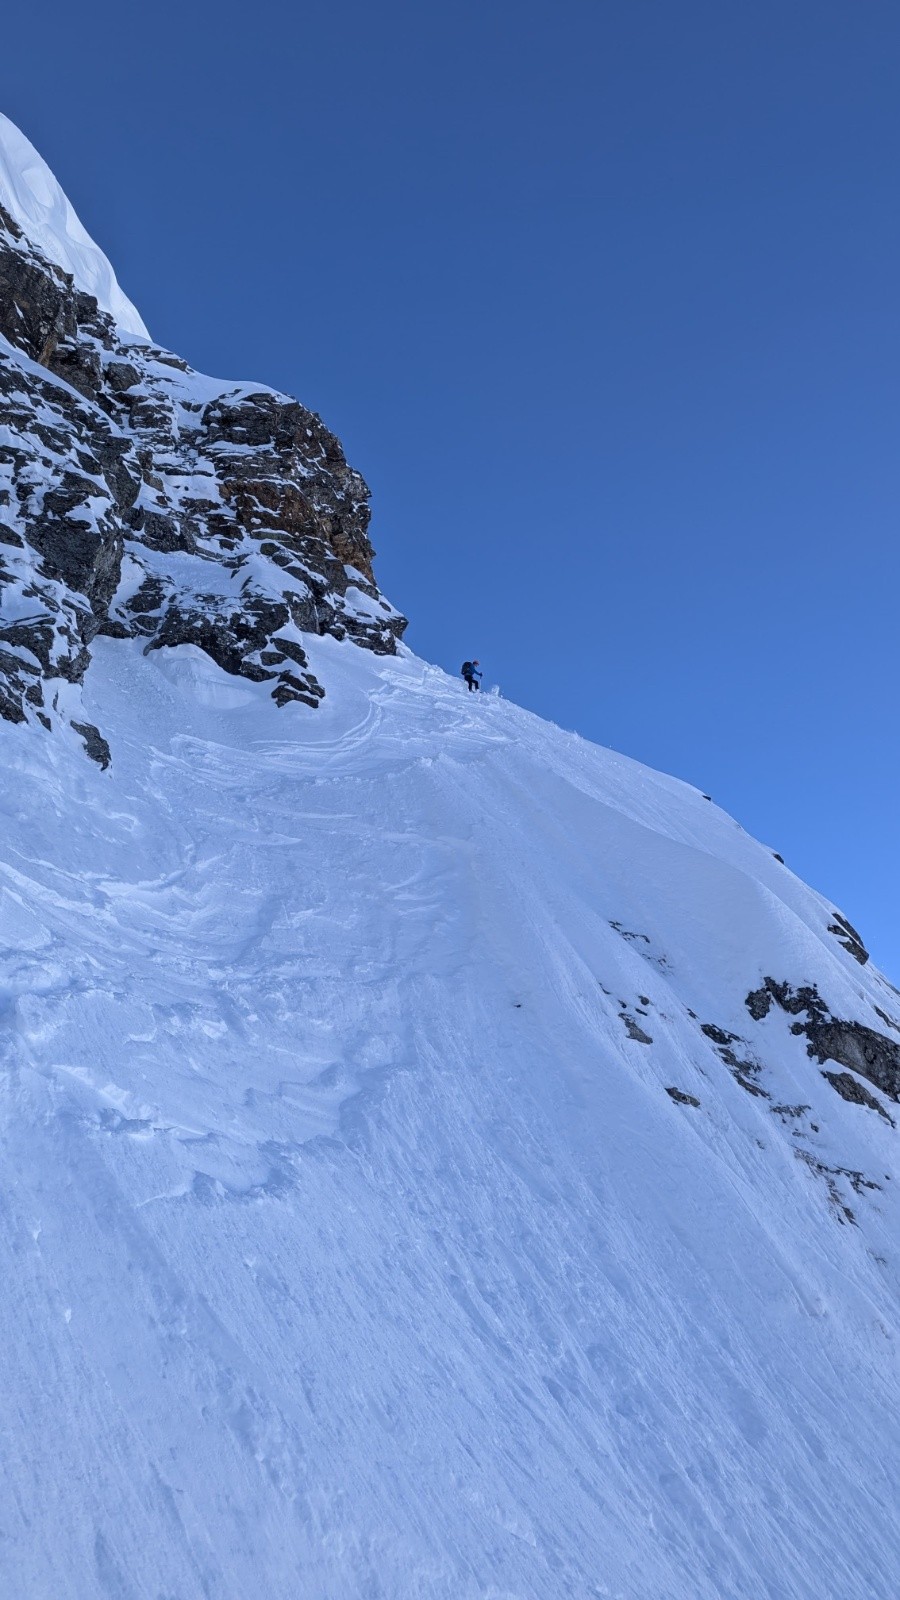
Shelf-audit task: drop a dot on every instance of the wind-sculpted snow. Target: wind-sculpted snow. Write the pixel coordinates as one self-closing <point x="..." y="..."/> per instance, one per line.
<point x="33" y="198"/>
<point x="400" y="1198"/>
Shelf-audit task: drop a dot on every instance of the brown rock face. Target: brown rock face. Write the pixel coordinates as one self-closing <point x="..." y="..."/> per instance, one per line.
<point x="139" y="498"/>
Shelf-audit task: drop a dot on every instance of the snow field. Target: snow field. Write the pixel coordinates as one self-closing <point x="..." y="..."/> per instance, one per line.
<point x="353" y="1244"/>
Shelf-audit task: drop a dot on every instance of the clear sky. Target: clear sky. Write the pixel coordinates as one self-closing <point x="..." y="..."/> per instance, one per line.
<point x="602" y="298"/>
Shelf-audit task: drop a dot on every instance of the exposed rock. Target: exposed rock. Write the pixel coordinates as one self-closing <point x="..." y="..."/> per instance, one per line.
<point x="718" y="1035"/>
<point x="94" y="743"/>
<point x="861" y="1049"/>
<point x="634" y="1029"/>
<point x="789" y="1113"/>
<point x="631" y="937"/>
<point x="847" y="935"/>
<point x="117" y="462"/>
<point x="759" y="1003"/>
<point x="743" y="1068"/>
<point x="850" y="1044"/>
<point x="682" y="1099"/>
<point x="849" y="1088"/>
<point x="36" y="297"/>
<point x="794" y="1001"/>
<point x="749" y="1085"/>
<point x="859" y="1183"/>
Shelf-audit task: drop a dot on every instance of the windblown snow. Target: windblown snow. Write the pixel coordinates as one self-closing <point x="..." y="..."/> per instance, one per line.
<point x="33" y="198"/>
<point x="354" y="1243"/>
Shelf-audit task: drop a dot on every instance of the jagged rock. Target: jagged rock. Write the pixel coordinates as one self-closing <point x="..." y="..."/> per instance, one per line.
<point x="850" y="1044"/>
<point x="861" y="1049"/>
<point x="793" y="1001"/>
<point x="94" y="743"/>
<point x="718" y="1035"/>
<point x="759" y="1003"/>
<point x="36" y="300"/>
<point x="115" y="457"/>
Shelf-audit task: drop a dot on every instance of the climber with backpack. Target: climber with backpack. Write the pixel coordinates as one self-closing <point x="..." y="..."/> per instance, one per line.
<point x="471" y="674"/>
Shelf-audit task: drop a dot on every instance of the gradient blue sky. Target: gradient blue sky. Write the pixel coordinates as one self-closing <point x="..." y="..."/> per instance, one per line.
<point x="602" y="299"/>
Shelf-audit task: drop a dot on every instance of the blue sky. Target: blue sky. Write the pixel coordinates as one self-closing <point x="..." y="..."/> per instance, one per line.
<point x="602" y="298"/>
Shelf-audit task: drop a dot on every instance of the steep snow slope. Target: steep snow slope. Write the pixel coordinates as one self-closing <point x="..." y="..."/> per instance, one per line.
<point x="34" y="199"/>
<point x="352" y="1244"/>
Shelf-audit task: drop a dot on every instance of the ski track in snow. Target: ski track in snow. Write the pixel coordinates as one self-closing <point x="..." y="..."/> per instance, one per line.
<point x="354" y="1249"/>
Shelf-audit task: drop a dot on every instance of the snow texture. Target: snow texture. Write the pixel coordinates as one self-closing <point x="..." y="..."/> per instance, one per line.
<point x="33" y="198"/>
<point x="378" y="1220"/>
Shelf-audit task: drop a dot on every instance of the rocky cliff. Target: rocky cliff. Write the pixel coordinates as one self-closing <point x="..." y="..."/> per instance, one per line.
<point x="139" y="498"/>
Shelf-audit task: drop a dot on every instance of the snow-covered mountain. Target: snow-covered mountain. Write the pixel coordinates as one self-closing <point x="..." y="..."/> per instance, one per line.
<point x="442" y="1158"/>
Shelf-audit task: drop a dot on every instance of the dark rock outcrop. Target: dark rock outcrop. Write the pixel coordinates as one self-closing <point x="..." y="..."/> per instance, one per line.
<point x="849" y="1088"/>
<point x="861" y="1049"/>
<point x="847" y="935"/>
<point x="850" y="1044"/>
<point x="680" y="1097"/>
<point x="141" y="499"/>
<point x="634" y="1029"/>
<point x="794" y="1001"/>
<point x="743" y="1068"/>
<point x="94" y="743"/>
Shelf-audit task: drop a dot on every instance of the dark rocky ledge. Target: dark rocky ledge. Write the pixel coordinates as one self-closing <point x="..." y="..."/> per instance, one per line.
<point x="139" y="499"/>
<point x="846" y="934"/>
<point x="850" y="1088"/>
<point x="851" y="1045"/>
<point x="680" y="1097"/>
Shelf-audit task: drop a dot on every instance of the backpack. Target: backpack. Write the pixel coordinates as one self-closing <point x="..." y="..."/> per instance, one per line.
<point x="466" y="668"/>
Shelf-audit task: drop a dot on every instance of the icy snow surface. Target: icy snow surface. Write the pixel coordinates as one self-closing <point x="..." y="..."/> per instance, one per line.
<point x="34" y="199"/>
<point x="352" y="1246"/>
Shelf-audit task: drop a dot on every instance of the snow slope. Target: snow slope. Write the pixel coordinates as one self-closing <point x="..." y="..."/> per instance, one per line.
<point x="33" y="198"/>
<point x="352" y="1244"/>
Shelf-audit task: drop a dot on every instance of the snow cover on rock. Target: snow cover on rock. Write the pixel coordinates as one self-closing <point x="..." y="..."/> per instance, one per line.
<point x="138" y="497"/>
<point x="34" y="199"/>
<point x="383" y="1213"/>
